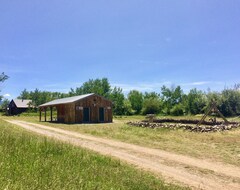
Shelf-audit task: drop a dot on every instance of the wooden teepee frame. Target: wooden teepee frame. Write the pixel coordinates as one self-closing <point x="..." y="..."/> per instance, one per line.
<point x="212" y="108"/>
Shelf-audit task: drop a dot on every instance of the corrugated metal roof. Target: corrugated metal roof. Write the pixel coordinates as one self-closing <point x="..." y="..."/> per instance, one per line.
<point x="20" y="103"/>
<point x="66" y="100"/>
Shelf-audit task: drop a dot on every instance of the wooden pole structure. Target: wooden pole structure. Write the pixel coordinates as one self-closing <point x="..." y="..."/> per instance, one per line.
<point x="212" y="108"/>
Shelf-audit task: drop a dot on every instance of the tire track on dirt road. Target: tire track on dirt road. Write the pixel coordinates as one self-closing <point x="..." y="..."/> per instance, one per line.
<point x="147" y="158"/>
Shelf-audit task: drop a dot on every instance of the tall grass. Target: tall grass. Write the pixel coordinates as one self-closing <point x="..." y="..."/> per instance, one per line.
<point x="219" y="146"/>
<point x="29" y="161"/>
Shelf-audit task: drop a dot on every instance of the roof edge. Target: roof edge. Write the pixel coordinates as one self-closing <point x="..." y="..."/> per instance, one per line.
<point x="87" y="95"/>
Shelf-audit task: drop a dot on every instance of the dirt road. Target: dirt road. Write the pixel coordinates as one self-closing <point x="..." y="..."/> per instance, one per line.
<point x="193" y="172"/>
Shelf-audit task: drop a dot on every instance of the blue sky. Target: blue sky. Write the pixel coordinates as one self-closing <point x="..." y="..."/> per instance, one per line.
<point x="137" y="44"/>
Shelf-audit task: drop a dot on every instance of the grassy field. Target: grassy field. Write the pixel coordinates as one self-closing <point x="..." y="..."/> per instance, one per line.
<point x="28" y="161"/>
<point x="220" y="146"/>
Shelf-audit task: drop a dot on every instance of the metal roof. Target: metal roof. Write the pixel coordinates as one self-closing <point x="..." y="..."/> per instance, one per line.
<point x="66" y="100"/>
<point x="20" y="103"/>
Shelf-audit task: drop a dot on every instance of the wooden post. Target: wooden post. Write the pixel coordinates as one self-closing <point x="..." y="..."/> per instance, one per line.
<point x="213" y="108"/>
<point x="40" y="114"/>
<point x="45" y="114"/>
<point x="51" y="113"/>
<point x="150" y="117"/>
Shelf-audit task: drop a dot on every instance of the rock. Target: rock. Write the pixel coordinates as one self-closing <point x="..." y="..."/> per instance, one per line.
<point x="185" y="126"/>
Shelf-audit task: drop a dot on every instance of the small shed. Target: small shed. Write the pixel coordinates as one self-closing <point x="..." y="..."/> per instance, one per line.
<point x="87" y="108"/>
<point x="18" y="106"/>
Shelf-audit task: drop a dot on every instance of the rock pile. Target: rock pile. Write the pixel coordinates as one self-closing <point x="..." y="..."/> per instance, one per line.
<point x="185" y="121"/>
<point x="192" y="128"/>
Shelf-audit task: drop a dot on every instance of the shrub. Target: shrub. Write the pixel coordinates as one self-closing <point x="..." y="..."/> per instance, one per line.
<point x="177" y="110"/>
<point x="151" y="106"/>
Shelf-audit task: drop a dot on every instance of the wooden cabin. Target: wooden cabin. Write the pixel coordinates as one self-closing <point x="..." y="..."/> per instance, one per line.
<point x="87" y="108"/>
<point x="18" y="106"/>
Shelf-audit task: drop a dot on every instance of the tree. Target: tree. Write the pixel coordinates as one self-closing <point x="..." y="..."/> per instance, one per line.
<point x="72" y="92"/>
<point x="151" y="105"/>
<point x="230" y="102"/>
<point x="127" y="107"/>
<point x="35" y="97"/>
<point x="177" y="110"/>
<point x="117" y="97"/>
<point x="171" y="96"/>
<point x="24" y="94"/>
<point x="4" y="105"/>
<point x="148" y="95"/>
<point x="3" y="77"/>
<point x="136" y="99"/>
<point x="40" y="97"/>
<point x="194" y="102"/>
<point x="213" y="96"/>
<point x="98" y="86"/>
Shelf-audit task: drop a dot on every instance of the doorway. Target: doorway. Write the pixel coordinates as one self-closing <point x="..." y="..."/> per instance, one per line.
<point x="86" y="115"/>
<point x="101" y="114"/>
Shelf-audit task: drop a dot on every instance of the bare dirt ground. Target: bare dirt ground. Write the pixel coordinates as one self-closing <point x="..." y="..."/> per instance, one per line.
<point x="193" y="172"/>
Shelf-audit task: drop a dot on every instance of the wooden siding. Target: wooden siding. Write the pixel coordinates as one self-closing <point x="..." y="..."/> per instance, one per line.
<point x="60" y="113"/>
<point x="69" y="113"/>
<point x="74" y="112"/>
<point x="93" y="103"/>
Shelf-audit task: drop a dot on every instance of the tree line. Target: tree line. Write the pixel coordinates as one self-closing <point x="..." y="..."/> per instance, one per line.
<point x="170" y="101"/>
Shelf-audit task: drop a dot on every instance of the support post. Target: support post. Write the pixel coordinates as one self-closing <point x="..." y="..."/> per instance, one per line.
<point x="45" y="114"/>
<point x="51" y="113"/>
<point x="40" y="114"/>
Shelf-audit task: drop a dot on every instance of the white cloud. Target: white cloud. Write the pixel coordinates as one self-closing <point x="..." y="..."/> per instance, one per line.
<point x="199" y="83"/>
<point x="6" y="95"/>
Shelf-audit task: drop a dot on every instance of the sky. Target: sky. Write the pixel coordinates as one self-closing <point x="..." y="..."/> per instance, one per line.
<point x="137" y="44"/>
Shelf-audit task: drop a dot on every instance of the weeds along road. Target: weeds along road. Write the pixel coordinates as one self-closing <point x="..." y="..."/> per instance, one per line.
<point x="196" y="173"/>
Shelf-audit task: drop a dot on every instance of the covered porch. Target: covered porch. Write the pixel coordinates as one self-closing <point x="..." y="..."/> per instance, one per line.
<point x="48" y="113"/>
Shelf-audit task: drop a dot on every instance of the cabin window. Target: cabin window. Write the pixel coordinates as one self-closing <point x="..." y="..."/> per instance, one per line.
<point x="79" y="108"/>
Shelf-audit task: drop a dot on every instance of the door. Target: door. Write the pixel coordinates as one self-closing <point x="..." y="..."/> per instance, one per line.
<point x="101" y="114"/>
<point x="86" y="114"/>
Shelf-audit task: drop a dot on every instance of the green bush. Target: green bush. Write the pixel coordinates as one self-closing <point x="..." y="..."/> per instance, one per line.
<point x="151" y="106"/>
<point x="177" y="110"/>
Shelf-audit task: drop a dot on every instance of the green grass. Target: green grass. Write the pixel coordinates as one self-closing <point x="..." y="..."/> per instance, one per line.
<point x="29" y="161"/>
<point x="219" y="146"/>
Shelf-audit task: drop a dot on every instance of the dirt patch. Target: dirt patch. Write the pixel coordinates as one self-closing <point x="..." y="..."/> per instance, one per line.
<point x="173" y="167"/>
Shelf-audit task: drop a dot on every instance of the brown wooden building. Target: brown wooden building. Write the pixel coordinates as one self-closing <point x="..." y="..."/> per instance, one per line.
<point x="18" y="106"/>
<point x="88" y="108"/>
